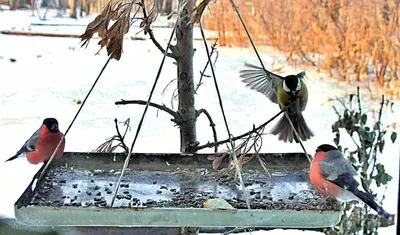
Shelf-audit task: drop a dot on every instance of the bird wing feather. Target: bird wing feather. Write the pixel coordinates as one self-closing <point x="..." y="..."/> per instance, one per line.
<point x="29" y="146"/>
<point x="261" y="80"/>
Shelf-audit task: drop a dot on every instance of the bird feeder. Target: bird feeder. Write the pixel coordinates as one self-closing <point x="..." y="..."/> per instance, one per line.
<point x="175" y="190"/>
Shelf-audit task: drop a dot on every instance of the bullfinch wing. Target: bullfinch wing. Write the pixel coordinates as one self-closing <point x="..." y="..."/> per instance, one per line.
<point x="263" y="81"/>
<point x="29" y="146"/>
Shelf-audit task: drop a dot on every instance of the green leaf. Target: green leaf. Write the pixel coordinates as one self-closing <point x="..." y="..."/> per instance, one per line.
<point x="381" y="145"/>
<point x="393" y="137"/>
<point x="336" y="140"/>
<point x="381" y="177"/>
<point x="364" y="118"/>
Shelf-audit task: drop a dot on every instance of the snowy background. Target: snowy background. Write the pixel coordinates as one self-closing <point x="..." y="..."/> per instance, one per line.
<point x="48" y="73"/>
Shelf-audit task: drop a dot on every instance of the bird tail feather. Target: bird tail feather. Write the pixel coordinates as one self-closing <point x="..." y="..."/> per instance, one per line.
<point x="369" y="200"/>
<point x="285" y="132"/>
<point x="13" y="157"/>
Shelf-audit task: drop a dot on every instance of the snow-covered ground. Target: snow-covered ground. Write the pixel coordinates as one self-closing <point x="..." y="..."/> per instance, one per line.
<point x="48" y="73"/>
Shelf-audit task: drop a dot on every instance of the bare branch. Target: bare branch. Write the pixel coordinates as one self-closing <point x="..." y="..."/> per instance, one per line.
<point x="121" y="138"/>
<point x="212" y="124"/>
<point x="177" y="119"/>
<point x="210" y="145"/>
<point x="153" y="39"/>
<point x="213" y="48"/>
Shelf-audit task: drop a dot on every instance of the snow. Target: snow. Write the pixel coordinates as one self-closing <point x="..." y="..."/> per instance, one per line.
<point x="50" y="72"/>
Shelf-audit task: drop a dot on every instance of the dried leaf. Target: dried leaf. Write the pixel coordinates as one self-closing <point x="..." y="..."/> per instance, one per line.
<point x="150" y="18"/>
<point x="197" y="12"/>
<point x="224" y="170"/>
<point x="218" y="160"/>
<point x="111" y="38"/>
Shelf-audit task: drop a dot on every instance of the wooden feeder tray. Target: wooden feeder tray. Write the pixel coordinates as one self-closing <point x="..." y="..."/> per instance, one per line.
<point x="168" y="190"/>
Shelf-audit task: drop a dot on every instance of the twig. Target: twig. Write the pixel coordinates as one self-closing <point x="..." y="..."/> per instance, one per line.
<point x="374" y="158"/>
<point x="177" y="118"/>
<point x="212" y="124"/>
<point x="213" y="48"/>
<point x="76" y="115"/>
<point x="167" y="86"/>
<point x="153" y="39"/>
<point x="141" y="120"/>
<point x="210" y="145"/>
<point x="342" y="103"/>
<point x="121" y="138"/>
<point x="232" y="152"/>
<point x="359" y="99"/>
<point x="127" y="122"/>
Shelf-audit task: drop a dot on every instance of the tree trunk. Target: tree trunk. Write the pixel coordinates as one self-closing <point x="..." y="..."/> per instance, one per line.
<point x="186" y="108"/>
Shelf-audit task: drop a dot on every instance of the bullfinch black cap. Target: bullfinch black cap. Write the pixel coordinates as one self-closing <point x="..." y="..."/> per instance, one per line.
<point x="325" y="148"/>
<point x="51" y="124"/>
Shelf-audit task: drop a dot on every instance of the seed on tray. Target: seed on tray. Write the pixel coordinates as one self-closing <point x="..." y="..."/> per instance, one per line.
<point x="97" y="199"/>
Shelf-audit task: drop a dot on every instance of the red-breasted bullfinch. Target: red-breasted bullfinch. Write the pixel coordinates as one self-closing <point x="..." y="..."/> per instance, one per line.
<point x="282" y="91"/>
<point x="333" y="176"/>
<point x="42" y="143"/>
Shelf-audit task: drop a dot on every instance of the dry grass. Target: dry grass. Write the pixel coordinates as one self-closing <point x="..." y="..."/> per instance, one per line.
<point x="355" y="41"/>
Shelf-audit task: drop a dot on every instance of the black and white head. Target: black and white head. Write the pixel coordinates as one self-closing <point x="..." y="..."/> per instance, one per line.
<point x="292" y="84"/>
<point x="51" y="124"/>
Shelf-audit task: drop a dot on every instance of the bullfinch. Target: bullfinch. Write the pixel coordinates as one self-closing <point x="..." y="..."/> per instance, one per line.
<point x="42" y="143"/>
<point x="282" y="91"/>
<point x="334" y="177"/>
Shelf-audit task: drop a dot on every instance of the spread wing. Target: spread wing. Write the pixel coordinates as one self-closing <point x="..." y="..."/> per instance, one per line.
<point x="29" y="146"/>
<point x="263" y="81"/>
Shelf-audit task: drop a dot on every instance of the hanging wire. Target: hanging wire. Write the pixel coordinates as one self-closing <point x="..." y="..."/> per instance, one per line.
<point x="76" y="115"/>
<point x="262" y="65"/>
<point x="232" y="150"/>
<point x="143" y="115"/>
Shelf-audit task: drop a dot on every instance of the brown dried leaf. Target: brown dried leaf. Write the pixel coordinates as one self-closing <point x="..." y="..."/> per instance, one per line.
<point x="197" y="12"/>
<point x="150" y="18"/>
<point x="218" y="160"/>
<point x="111" y="38"/>
<point x="98" y="25"/>
<point x="224" y="170"/>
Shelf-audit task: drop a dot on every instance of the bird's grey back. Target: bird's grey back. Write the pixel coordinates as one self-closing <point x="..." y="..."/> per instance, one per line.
<point x="334" y="165"/>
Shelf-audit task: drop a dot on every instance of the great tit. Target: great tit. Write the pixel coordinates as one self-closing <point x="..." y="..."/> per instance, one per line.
<point x="283" y="91"/>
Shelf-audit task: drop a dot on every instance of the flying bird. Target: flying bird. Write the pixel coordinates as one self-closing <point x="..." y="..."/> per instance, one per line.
<point x="282" y="91"/>
<point x="334" y="177"/>
<point x="41" y="145"/>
